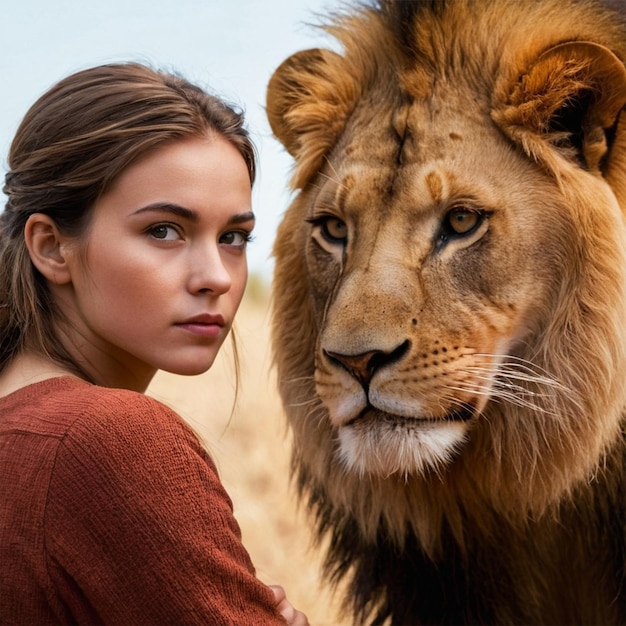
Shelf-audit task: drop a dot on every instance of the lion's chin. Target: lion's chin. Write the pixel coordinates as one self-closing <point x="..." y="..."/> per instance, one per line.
<point x="387" y="446"/>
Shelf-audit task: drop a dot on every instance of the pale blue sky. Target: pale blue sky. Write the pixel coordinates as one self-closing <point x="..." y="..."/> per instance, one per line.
<point x="230" y="46"/>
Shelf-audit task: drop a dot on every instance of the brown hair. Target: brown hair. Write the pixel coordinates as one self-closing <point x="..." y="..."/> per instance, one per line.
<point x="70" y="147"/>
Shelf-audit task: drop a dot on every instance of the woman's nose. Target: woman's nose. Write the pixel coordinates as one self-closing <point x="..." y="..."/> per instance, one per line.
<point x="208" y="272"/>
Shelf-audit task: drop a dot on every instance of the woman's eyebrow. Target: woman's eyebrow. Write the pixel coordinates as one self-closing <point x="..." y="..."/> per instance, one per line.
<point x="188" y="214"/>
<point x="242" y="217"/>
<point x="168" y="207"/>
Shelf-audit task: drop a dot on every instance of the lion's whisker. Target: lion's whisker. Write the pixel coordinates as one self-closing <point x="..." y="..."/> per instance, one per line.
<point x="335" y="172"/>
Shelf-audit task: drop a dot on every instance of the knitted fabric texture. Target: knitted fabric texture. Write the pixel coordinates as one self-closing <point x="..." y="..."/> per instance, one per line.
<point x="112" y="512"/>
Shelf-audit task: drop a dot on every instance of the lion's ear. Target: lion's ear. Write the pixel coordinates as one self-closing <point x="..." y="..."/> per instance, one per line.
<point x="568" y="102"/>
<point x="309" y="98"/>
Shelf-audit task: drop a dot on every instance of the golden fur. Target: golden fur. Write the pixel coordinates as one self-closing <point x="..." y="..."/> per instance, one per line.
<point x="450" y="307"/>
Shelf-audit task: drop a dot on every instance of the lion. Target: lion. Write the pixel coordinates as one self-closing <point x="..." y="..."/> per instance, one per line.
<point x="449" y="307"/>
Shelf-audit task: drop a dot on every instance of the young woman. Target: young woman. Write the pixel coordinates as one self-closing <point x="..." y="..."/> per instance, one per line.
<point x="123" y="251"/>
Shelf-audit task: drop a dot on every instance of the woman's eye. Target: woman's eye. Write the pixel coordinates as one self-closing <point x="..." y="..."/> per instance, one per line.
<point x="462" y="221"/>
<point x="164" y="232"/>
<point x="236" y="238"/>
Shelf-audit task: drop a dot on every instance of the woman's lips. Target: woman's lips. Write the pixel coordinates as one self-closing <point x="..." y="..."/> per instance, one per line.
<point x="203" y="325"/>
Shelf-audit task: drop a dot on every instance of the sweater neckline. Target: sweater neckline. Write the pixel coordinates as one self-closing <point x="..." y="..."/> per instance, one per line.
<point x="63" y="381"/>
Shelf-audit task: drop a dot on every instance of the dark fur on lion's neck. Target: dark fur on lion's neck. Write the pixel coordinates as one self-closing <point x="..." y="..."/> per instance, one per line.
<point x="534" y="559"/>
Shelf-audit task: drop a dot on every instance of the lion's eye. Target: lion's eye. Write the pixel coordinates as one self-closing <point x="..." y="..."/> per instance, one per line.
<point x="332" y="229"/>
<point x="462" y="221"/>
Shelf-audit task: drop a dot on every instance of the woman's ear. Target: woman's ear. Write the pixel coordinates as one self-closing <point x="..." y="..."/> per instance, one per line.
<point x="47" y="248"/>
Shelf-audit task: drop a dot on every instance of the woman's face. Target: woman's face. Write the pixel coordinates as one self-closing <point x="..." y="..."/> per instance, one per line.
<point x="164" y="268"/>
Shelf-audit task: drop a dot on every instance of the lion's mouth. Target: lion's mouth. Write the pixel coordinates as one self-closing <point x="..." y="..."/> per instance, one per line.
<point x="463" y="413"/>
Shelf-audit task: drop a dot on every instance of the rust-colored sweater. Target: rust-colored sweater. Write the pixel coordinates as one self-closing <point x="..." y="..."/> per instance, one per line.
<point x="111" y="512"/>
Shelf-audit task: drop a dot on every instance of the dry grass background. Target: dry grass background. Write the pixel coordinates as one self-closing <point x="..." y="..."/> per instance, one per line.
<point x="251" y="448"/>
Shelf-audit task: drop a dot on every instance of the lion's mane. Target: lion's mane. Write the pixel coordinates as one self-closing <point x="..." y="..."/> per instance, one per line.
<point x="525" y="520"/>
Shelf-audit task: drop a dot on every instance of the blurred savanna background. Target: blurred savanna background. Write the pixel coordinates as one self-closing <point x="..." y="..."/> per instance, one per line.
<point x="251" y="447"/>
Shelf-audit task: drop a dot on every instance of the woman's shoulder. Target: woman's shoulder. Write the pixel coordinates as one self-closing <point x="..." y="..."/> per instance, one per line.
<point x="73" y="410"/>
<point x="115" y="404"/>
<point x="117" y="434"/>
<point x="127" y="418"/>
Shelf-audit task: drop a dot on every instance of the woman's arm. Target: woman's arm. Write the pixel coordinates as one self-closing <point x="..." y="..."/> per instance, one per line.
<point x="140" y="529"/>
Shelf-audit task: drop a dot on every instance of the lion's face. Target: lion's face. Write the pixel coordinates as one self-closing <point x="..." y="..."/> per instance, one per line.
<point x="449" y="289"/>
<point x="430" y="262"/>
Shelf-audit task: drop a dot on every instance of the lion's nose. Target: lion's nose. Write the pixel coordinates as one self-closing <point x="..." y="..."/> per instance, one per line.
<point x="363" y="366"/>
